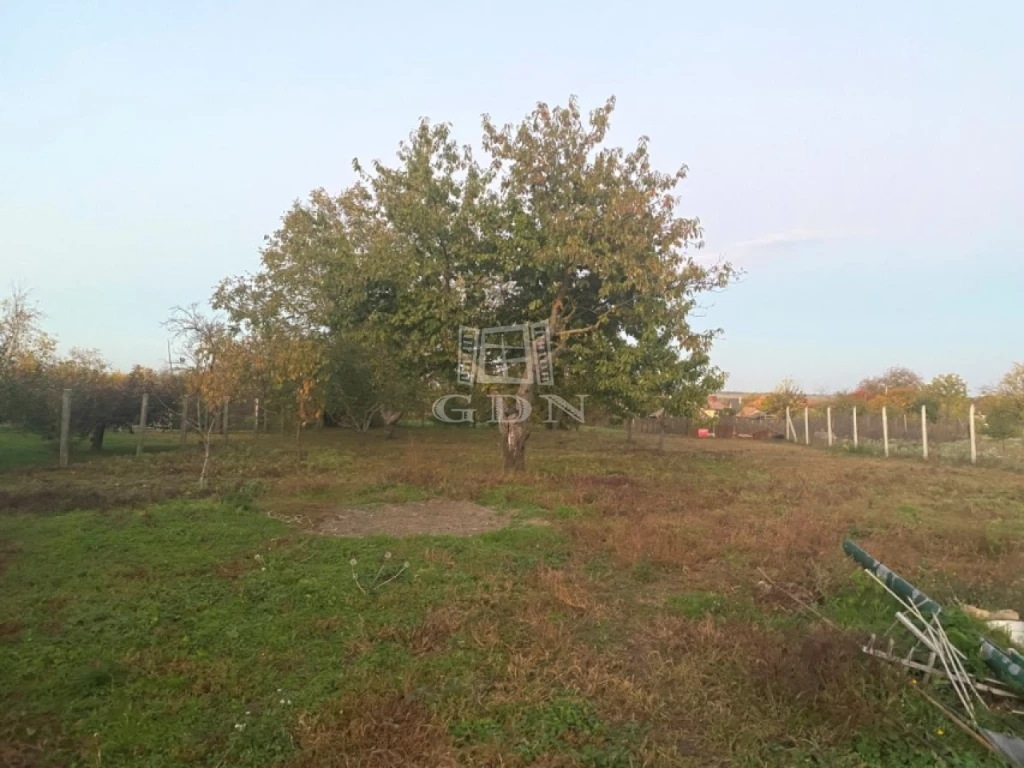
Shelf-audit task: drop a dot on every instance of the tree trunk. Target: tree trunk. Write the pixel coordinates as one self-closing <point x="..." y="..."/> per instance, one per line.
<point x="96" y="438"/>
<point x="391" y="419"/>
<point x="513" y="445"/>
<point x="206" y="462"/>
<point x="514" y="434"/>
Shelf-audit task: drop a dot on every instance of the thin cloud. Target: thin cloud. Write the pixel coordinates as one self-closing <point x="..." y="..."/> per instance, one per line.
<point x="792" y="236"/>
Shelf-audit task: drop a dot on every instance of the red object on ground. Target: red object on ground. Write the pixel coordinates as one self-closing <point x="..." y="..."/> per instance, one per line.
<point x="702" y="433"/>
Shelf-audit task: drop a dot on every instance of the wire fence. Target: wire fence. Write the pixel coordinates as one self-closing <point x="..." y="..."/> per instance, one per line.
<point x="937" y="436"/>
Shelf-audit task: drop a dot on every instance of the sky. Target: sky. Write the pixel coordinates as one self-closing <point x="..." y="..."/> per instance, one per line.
<point x="862" y="163"/>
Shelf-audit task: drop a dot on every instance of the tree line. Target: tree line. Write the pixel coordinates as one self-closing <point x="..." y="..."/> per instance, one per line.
<point x="32" y="377"/>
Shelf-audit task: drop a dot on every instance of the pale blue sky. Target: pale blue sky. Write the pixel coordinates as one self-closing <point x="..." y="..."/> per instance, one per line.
<point x="863" y="162"/>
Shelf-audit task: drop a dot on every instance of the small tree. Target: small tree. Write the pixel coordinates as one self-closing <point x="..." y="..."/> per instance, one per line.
<point x="948" y="392"/>
<point x="216" y="365"/>
<point x="787" y="394"/>
<point x="1005" y="417"/>
<point x="26" y="354"/>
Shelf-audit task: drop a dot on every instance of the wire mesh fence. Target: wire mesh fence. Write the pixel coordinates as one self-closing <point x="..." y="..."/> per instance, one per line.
<point x="936" y="436"/>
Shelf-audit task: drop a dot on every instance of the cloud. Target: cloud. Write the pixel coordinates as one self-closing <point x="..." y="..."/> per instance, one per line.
<point x="792" y="236"/>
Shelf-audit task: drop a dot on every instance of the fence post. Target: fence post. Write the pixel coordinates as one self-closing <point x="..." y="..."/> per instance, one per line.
<point x="65" y="425"/>
<point x="807" y="426"/>
<point x="924" y="431"/>
<point x="184" y="420"/>
<point x="855" y="426"/>
<point x="885" y="431"/>
<point x="142" y="424"/>
<point x="828" y="417"/>
<point x="256" y="418"/>
<point x="789" y="425"/>
<point x="974" y="444"/>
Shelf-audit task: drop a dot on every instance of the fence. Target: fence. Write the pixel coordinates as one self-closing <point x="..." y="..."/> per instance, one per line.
<point x="185" y="415"/>
<point x="955" y="437"/>
<point x="904" y="433"/>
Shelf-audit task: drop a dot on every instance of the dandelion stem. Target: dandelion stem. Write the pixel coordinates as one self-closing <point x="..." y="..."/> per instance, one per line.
<point x="355" y="578"/>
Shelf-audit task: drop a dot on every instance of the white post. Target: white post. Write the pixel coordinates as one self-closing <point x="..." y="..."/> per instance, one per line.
<point x="256" y="417"/>
<point x="885" y="430"/>
<point x="855" y="426"/>
<point x="789" y="424"/>
<point x="65" y="425"/>
<point x="828" y="417"/>
<point x="974" y="444"/>
<point x="142" y="424"/>
<point x="924" y="431"/>
<point x="807" y="426"/>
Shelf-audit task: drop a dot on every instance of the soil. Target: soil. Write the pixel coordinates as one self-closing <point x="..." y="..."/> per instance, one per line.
<point x="433" y="517"/>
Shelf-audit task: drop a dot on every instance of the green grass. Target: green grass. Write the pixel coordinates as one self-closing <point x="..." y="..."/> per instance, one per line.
<point x="618" y="621"/>
<point x="22" y="449"/>
<point x="161" y="629"/>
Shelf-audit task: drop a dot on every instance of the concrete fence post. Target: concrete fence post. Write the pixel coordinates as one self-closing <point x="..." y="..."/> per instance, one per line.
<point x="974" y="442"/>
<point x="65" y="426"/>
<point x="184" y="421"/>
<point x="924" y="431"/>
<point x="885" y="431"/>
<point x="141" y="438"/>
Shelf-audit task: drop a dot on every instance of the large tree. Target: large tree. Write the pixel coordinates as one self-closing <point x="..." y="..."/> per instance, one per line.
<point x="557" y="227"/>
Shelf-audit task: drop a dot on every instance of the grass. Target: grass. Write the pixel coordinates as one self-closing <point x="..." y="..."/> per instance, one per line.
<point x="620" y="620"/>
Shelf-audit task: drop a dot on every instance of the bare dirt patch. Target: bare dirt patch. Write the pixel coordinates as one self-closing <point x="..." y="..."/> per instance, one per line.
<point x="434" y="517"/>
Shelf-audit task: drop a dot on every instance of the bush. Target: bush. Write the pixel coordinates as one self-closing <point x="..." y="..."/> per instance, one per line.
<point x="1004" y="420"/>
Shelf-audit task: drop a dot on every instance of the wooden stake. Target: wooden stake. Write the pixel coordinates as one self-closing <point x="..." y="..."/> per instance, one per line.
<point x="959" y="723"/>
<point x="256" y="417"/>
<point x="828" y="417"/>
<point x="142" y="424"/>
<point x="807" y="426"/>
<point x="885" y="430"/>
<point x="855" y="426"/>
<point x="65" y="426"/>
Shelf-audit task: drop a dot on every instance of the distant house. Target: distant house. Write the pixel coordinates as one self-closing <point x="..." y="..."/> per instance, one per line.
<point x="752" y="412"/>
<point x="716" y="404"/>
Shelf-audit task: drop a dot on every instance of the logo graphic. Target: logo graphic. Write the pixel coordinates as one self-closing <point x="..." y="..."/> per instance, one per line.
<point x="506" y="354"/>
